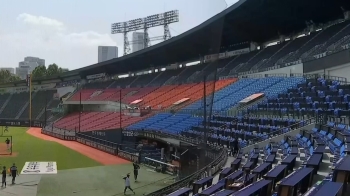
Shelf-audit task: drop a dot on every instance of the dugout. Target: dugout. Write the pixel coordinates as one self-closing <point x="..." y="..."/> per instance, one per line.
<point x="188" y="157"/>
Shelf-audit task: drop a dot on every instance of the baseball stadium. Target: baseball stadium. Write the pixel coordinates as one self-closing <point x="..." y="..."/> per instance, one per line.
<point x="252" y="102"/>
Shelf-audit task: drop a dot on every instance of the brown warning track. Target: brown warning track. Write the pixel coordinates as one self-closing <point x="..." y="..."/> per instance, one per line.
<point x="5" y="153"/>
<point x="97" y="155"/>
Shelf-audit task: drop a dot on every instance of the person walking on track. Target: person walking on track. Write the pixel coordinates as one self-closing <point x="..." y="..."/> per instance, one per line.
<point x="3" y="177"/>
<point x="127" y="183"/>
<point x="136" y="170"/>
<point x="14" y="173"/>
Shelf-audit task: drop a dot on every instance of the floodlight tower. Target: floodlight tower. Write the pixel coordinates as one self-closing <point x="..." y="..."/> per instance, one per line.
<point x="163" y="19"/>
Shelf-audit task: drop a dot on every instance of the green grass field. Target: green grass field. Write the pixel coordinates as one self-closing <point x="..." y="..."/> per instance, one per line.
<point x="30" y="148"/>
<point x="78" y="175"/>
<point x="103" y="181"/>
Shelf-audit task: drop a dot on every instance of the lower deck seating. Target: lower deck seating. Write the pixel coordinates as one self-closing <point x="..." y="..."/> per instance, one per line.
<point x="92" y="121"/>
<point x="172" y="123"/>
<point x="248" y="176"/>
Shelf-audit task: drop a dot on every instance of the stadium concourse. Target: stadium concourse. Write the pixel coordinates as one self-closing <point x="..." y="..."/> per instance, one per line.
<point x="266" y="84"/>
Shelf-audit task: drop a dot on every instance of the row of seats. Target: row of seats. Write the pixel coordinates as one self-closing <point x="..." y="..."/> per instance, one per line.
<point x="101" y="121"/>
<point x="254" y="178"/>
<point x="313" y="95"/>
<point x="171" y="123"/>
<point x="39" y="100"/>
<point x="17" y="104"/>
<point x="231" y="95"/>
<point x="155" y="97"/>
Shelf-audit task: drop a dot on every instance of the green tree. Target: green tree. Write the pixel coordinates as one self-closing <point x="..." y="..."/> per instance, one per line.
<point x="14" y="78"/>
<point x="42" y="71"/>
<point x="39" y="72"/>
<point x="53" y="70"/>
<point x="6" y="76"/>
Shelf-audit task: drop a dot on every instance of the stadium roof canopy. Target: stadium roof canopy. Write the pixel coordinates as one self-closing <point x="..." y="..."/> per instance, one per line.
<point x="247" y="20"/>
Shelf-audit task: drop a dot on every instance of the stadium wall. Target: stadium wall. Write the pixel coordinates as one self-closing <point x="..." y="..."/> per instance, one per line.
<point x="336" y="64"/>
<point x="101" y="108"/>
<point x="26" y="88"/>
<point x="91" y="106"/>
<point x="298" y="68"/>
<point x="339" y="71"/>
<point x="64" y="90"/>
<point x="21" y="123"/>
<point x="114" y="135"/>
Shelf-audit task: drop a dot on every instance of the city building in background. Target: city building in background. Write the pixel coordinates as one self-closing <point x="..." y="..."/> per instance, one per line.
<point x="10" y="69"/>
<point x="28" y="65"/>
<point x="106" y="53"/>
<point x="138" y="41"/>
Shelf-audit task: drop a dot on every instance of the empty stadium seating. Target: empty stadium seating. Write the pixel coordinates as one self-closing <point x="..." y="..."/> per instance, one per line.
<point x="3" y="99"/>
<point x="286" y="95"/>
<point x="172" y="123"/>
<point x="192" y="91"/>
<point x="232" y="94"/>
<point x="318" y="38"/>
<point x="17" y="102"/>
<point x="39" y="100"/>
<point x="102" y="121"/>
<point x="297" y="158"/>
<point x="155" y="97"/>
<point x="282" y="97"/>
<point x="315" y="96"/>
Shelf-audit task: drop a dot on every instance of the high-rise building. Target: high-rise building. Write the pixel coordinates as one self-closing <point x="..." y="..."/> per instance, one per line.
<point x="10" y="69"/>
<point x="138" y="41"/>
<point x="28" y="65"/>
<point x="106" y="53"/>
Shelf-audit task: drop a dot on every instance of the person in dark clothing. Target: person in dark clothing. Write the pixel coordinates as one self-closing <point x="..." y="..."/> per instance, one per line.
<point x="7" y="141"/>
<point x="231" y="149"/>
<point x="136" y="170"/>
<point x="3" y="177"/>
<point x="235" y="147"/>
<point x="6" y="129"/>
<point x="14" y="173"/>
<point x="246" y="177"/>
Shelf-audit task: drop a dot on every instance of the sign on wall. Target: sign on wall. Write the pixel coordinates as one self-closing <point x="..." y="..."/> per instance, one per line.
<point x="21" y="123"/>
<point x="39" y="168"/>
<point x="95" y="76"/>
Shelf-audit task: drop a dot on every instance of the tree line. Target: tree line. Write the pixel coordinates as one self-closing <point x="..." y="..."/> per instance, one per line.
<point x="39" y="72"/>
<point x="6" y="76"/>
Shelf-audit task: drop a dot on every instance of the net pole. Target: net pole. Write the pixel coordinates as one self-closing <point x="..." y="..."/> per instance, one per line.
<point x="30" y="100"/>
<point x="11" y="145"/>
<point x="79" y="109"/>
<point x="45" y="117"/>
<point x="205" y="109"/>
<point x="120" y="108"/>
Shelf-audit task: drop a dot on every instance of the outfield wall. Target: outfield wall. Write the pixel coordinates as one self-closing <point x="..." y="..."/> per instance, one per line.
<point x="21" y="123"/>
<point x="114" y="135"/>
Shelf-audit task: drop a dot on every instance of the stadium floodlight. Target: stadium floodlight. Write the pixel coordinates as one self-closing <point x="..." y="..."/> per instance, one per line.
<point x="163" y="19"/>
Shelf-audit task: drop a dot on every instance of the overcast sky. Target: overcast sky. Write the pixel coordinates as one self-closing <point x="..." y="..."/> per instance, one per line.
<point x="68" y="32"/>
